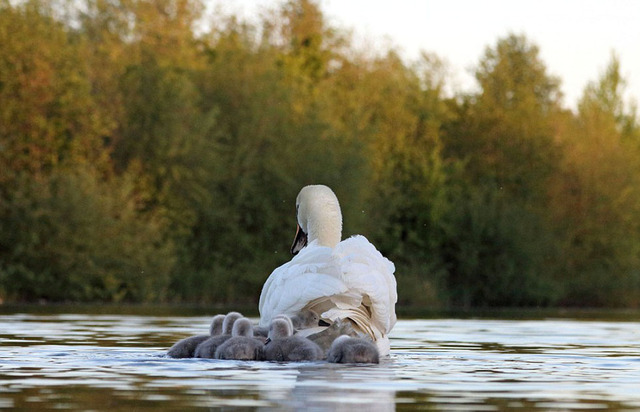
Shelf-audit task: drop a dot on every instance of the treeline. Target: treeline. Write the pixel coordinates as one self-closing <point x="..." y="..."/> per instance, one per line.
<point x="148" y="156"/>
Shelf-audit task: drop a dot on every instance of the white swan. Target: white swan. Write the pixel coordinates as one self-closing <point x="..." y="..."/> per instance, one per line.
<point x="338" y="280"/>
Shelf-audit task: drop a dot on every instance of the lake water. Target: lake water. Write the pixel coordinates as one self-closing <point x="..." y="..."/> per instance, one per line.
<point x="117" y="362"/>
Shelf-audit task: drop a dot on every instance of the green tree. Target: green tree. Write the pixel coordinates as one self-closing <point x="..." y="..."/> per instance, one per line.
<point x="506" y="132"/>
<point x="505" y="136"/>
<point x="166" y="139"/>
<point x="607" y="96"/>
<point x="72" y="237"/>
<point x="147" y="157"/>
<point x="395" y="112"/>
<point x="70" y="229"/>
<point x="595" y="198"/>
<point x="268" y="143"/>
<point x="47" y="115"/>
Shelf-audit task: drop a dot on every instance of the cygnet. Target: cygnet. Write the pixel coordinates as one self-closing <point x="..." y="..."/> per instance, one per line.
<point x="286" y="319"/>
<point x="346" y="349"/>
<point x="207" y="349"/>
<point x="242" y="345"/>
<point x="283" y="346"/>
<point x="186" y="347"/>
<point x="260" y="332"/>
<point x="305" y="319"/>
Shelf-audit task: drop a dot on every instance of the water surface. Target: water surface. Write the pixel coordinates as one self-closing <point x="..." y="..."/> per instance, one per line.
<point x="117" y="362"/>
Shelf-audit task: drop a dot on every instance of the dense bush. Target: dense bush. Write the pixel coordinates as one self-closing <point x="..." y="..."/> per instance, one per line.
<point x="72" y="237"/>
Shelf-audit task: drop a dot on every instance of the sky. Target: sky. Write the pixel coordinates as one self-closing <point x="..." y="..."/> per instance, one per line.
<point x="576" y="37"/>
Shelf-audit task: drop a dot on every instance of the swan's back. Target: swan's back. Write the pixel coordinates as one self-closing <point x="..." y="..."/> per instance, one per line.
<point x="348" y="280"/>
<point x="368" y="275"/>
<point x="310" y="275"/>
<point x="352" y="281"/>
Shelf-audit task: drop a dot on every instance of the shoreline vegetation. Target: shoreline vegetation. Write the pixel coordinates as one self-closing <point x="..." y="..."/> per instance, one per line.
<point x="404" y="313"/>
<point x="147" y="157"/>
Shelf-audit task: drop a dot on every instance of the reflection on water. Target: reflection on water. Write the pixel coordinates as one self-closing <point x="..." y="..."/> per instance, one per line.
<point x="94" y="362"/>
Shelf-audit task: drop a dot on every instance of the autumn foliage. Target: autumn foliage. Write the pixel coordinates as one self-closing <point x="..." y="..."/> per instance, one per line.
<point x="150" y="155"/>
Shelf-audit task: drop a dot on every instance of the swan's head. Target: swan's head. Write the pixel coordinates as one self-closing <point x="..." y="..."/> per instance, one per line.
<point x="319" y="218"/>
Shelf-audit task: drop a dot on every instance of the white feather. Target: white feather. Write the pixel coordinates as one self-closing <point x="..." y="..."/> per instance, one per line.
<point x="309" y="275"/>
<point x="349" y="280"/>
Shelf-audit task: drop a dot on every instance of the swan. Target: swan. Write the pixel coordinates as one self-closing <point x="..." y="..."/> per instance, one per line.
<point x="346" y="349"/>
<point x="342" y="281"/>
<point x="186" y="347"/>
<point x="242" y="345"/>
<point x="207" y="349"/>
<point x="282" y="345"/>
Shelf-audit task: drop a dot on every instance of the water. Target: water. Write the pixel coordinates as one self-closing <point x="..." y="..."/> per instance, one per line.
<point x="98" y="362"/>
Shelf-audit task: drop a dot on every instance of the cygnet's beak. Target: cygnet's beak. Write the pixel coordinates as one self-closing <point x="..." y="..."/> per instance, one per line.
<point x="267" y="341"/>
<point x="299" y="242"/>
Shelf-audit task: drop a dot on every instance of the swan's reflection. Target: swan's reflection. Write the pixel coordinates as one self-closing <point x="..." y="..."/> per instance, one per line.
<point x="326" y="386"/>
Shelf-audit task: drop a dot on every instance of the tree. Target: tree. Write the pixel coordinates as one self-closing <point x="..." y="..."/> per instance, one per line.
<point x="70" y="228"/>
<point x="73" y="237"/>
<point x="268" y="143"/>
<point x="595" y="198"/>
<point x="607" y="96"/>
<point x="506" y="133"/>
<point x="48" y="116"/>
<point x="505" y="137"/>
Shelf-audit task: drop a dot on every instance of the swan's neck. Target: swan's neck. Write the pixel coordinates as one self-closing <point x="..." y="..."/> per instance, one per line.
<point x="325" y="225"/>
<point x="319" y="215"/>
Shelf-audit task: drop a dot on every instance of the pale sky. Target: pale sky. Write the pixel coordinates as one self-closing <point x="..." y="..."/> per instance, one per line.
<point x="575" y="37"/>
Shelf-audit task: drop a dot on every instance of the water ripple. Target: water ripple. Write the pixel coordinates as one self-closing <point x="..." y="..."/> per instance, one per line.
<point x="118" y="363"/>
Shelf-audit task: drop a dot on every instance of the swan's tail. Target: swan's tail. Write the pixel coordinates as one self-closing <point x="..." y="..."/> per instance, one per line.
<point x="361" y="318"/>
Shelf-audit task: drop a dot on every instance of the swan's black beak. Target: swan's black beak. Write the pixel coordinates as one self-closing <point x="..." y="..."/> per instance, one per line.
<point x="299" y="242"/>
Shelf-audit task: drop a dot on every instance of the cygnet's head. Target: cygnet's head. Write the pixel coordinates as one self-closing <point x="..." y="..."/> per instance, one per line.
<point x="305" y="319"/>
<point x="319" y="218"/>
<point x="242" y="327"/>
<point x="229" y="320"/>
<point x="341" y="340"/>
<point x="345" y="349"/>
<point x="279" y="329"/>
<point x="286" y="319"/>
<point x="216" y="325"/>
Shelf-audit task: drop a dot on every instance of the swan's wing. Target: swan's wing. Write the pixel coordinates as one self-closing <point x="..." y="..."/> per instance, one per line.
<point x="370" y="275"/>
<point x="310" y="275"/>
